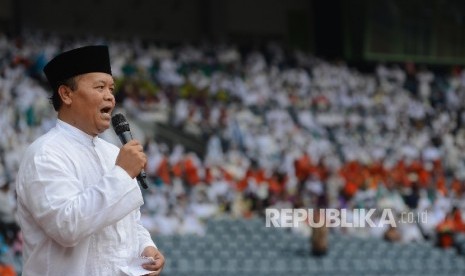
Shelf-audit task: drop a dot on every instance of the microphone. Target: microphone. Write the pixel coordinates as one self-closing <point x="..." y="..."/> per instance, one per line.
<point x="121" y="127"/>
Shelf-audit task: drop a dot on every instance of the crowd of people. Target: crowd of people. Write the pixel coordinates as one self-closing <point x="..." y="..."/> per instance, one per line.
<point x="282" y="129"/>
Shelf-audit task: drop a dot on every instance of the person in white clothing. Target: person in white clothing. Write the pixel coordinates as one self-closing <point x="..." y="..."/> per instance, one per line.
<point x="78" y="200"/>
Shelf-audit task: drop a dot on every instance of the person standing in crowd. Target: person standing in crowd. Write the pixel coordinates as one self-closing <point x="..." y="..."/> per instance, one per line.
<point x="78" y="200"/>
<point x="319" y="238"/>
<point x="8" y="226"/>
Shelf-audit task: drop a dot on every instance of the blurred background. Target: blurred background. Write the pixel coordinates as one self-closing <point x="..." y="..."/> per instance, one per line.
<point x="249" y="105"/>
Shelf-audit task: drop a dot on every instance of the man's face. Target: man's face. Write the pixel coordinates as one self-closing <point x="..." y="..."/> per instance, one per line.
<point x="93" y="102"/>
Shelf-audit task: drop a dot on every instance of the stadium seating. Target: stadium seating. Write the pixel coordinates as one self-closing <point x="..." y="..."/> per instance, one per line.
<point x="247" y="247"/>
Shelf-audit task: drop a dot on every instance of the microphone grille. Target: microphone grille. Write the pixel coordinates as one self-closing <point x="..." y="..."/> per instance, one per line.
<point x="120" y="124"/>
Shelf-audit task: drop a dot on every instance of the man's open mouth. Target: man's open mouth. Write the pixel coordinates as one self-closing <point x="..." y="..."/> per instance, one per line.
<point x="105" y="110"/>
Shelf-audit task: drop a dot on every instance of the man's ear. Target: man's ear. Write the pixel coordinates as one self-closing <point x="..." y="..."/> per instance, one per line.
<point x="65" y="94"/>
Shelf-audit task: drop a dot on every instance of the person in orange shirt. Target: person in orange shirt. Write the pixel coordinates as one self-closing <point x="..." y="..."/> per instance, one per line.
<point x="441" y="185"/>
<point x="445" y="231"/>
<point x="164" y="171"/>
<point x="458" y="222"/>
<point x="190" y="170"/>
<point x="303" y="166"/>
<point x="7" y="270"/>
<point x="457" y="187"/>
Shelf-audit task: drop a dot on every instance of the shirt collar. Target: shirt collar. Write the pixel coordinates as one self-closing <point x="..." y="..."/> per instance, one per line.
<point x="76" y="133"/>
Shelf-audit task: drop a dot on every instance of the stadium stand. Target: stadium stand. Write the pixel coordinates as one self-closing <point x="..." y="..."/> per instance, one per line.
<point x="233" y="246"/>
<point x="280" y="130"/>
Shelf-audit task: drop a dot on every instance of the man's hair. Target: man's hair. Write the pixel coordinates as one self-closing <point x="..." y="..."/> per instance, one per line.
<point x="55" y="99"/>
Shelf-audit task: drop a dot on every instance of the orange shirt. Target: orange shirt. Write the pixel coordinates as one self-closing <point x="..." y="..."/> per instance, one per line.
<point x="7" y="270"/>
<point x="163" y="171"/>
<point x="191" y="172"/>
<point x="302" y="167"/>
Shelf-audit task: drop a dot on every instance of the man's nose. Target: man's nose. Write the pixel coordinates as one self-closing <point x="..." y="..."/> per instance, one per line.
<point x="109" y="96"/>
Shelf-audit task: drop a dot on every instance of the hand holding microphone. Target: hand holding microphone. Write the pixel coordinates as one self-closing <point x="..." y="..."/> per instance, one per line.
<point x="131" y="156"/>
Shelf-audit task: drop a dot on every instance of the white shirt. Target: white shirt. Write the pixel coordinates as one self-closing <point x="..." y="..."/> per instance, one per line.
<point x="78" y="211"/>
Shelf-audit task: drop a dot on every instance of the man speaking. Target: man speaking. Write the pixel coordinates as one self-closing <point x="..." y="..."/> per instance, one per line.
<point x="78" y="200"/>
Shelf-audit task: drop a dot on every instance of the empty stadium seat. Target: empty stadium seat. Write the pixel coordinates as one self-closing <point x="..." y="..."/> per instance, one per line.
<point x="247" y="247"/>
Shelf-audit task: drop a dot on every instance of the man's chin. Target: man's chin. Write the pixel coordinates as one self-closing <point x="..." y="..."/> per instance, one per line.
<point x="103" y="127"/>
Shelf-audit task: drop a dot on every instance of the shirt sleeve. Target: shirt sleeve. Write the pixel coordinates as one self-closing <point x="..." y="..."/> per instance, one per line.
<point x="143" y="235"/>
<point x="65" y="210"/>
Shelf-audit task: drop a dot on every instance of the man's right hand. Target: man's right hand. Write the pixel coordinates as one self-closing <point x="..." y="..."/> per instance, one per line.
<point x="132" y="158"/>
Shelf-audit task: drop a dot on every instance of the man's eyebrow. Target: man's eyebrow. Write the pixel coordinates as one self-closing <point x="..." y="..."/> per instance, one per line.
<point x="112" y="83"/>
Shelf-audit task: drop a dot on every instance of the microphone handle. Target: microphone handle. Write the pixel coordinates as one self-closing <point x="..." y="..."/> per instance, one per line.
<point x="141" y="177"/>
<point x="125" y="137"/>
